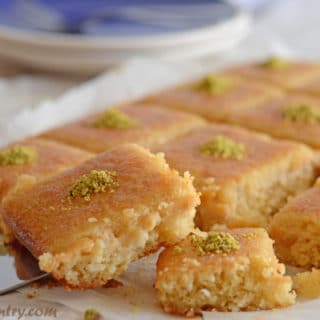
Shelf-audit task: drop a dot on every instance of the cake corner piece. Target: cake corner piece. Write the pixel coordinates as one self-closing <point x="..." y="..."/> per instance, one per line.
<point x="109" y="211"/>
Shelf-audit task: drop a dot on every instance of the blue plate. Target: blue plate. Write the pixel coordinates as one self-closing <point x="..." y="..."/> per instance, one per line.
<point x="115" y="18"/>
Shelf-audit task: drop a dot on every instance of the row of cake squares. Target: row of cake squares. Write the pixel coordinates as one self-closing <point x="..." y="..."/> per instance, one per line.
<point x="243" y="177"/>
<point x="278" y="97"/>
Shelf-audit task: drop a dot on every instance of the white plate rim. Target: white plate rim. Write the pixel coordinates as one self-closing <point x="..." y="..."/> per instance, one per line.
<point x="37" y="38"/>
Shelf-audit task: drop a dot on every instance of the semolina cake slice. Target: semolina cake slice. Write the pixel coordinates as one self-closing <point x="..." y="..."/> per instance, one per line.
<point x="243" y="177"/>
<point x="146" y="125"/>
<point x="281" y="72"/>
<point x="228" y="270"/>
<point x="215" y="96"/>
<point x="296" y="228"/>
<point x="36" y="157"/>
<point x="86" y="224"/>
<point x="294" y="116"/>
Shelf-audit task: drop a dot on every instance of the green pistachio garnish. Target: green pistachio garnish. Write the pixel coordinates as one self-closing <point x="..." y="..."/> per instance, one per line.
<point x="276" y="63"/>
<point x="302" y="113"/>
<point x="92" y="314"/>
<point x="177" y="250"/>
<point x="114" y="118"/>
<point x="17" y="155"/>
<point x="93" y="182"/>
<point x="215" y="242"/>
<point x="223" y="147"/>
<point x="214" y="85"/>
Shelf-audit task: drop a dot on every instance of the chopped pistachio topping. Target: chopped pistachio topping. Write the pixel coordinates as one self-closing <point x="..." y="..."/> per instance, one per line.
<point x="94" y="182"/>
<point x="214" y="85"/>
<point x="136" y="309"/>
<point x="114" y="118"/>
<point x="303" y="113"/>
<point x="91" y="314"/>
<point x="177" y="250"/>
<point x="276" y="63"/>
<point x="223" y="147"/>
<point x="250" y="236"/>
<point x="17" y="155"/>
<point x="215" y="242"/>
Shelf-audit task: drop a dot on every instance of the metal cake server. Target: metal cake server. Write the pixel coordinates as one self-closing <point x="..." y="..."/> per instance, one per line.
<point x="18" y="270"/>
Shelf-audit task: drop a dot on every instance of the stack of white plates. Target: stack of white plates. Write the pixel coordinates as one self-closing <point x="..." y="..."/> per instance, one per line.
<point x="169" y="31"/>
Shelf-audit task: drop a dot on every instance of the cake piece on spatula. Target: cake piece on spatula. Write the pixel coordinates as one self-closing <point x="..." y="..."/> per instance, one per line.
<point x="227" y="270"/>
<point x="86" y="224"/>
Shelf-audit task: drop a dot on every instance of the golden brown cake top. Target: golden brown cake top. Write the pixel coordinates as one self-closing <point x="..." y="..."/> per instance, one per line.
<point x="184" y="153"/>
<point x="246" y="242"/>
<point x="215" y="96"/>
<point x="45" y="218"/>
<point x="294" y="109"/>
<point x="281" y="71"/>
<point x="295" y="116"/>
<point x="143" y="124"/>
<point x="311" y="87"/>
<point x="37" y="157"/>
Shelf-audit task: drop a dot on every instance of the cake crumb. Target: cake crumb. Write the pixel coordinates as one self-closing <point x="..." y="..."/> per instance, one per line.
<point x="113" y="284"/>
<point x="31" y="295"/>
<point x="307" y="284"/>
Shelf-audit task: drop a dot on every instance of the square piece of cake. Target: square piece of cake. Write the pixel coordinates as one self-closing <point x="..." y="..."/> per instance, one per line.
<point x="227" y="270"/>
<point x="37" y="157"/>
<point x="281" y="72"/>
<point x="146" y="125"/>
<point x="244" y="177"/>
<point x="294" y="116"/>
<point x="296" y="228"/>
<point x="86" y="224"/>
<point x="215" y="96"/>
